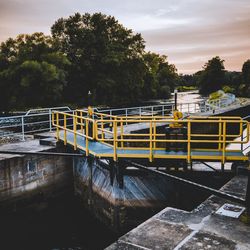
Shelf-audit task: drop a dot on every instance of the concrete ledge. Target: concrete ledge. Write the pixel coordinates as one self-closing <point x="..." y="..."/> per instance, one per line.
<point x="201" y="228"/>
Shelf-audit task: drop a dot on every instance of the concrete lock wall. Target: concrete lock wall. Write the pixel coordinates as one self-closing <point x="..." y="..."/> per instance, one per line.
<point x="121" y="208"/>
<point x="28" y="181"/>
<point x="141" y="195"/>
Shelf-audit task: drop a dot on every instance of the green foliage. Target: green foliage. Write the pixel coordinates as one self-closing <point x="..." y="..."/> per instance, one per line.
<point x="228" y="89"/>
<point x="216" y="95"/>
<point x="212" y="77"/>
<point x="246" y="72"/>
<point x="186" y="88"/>
<point x="105" y="57"/>
<point x="32" y="72"/>
<point x="246" y="78"/>
<point x="97" y="53"/>
<point x="164" y="92"/>
<point x="187" y="81"/>
<point x="161" y="77"/>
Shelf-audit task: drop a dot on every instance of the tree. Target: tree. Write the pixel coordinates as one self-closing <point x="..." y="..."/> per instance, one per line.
<point x="105" y="57"/>
<point x="161" y="77"/>
<point x="32" y="72"/>
<point x="246" y="77"/>
<point x="212" y="77"/>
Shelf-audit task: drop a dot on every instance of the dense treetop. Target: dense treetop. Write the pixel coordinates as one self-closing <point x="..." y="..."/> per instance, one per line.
<point x="97" y="53"/>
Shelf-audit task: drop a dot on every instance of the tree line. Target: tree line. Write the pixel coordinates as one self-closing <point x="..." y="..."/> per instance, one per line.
<point x="95" y="53"/>
<point x="214" y="77"/>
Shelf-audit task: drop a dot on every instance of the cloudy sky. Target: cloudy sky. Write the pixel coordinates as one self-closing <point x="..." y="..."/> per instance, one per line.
<point x="189" y="32"/>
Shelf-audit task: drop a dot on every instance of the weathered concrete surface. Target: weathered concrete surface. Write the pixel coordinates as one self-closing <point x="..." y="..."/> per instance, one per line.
<point x="201" y="228"/>
<point x="27" y="180"/>
<point x="142" y="194"/>
<point x="119" y="208"/>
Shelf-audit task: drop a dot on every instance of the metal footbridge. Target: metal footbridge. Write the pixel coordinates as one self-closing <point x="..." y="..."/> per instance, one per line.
<point x="144" y="136"/>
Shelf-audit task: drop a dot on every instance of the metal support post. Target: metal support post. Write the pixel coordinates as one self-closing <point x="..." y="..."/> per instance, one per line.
<point x="90" y="175"/>
<point x="175" y="99"/>
<point x="89" y="99"/>
<point x="50" y="123"/>
<point x="116" y="172"/>
<point x="23" y="129"/>
<point x="222" y="167"/>
<point x="119" y="174"/>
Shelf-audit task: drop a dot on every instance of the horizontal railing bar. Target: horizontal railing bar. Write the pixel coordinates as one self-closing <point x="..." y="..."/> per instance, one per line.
<point x="40" y="153"/>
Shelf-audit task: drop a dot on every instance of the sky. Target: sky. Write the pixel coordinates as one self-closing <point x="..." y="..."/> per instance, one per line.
<point x="189" y="32"/>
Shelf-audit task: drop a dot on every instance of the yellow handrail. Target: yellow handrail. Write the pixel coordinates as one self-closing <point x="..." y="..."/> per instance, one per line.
<point x="96" y="128"/>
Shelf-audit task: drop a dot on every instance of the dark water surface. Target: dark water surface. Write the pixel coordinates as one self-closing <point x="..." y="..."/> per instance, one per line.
<point x="63" y="225"/>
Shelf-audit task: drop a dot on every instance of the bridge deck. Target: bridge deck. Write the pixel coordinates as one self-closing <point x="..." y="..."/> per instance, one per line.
<point x="102" y="150"/>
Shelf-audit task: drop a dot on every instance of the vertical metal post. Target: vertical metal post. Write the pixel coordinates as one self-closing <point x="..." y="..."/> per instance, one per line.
<point x="89" y="99"/>
<point x="102" y="127"/>
<point x="57" y="126"/>
<point x="189" y="142"/>
<point x="241" y="145"/>
<point x="140" y="111"/>
<point x="152" y="110"/>
<point x="242" y="135"/>
<point x="154" y="136"/>
<point x="175" y="99"/>
<point x="64" y="127"/>
<point x="74" y="127"/>
<point x="122" y="131"/>
<point x="219" y="144"/>
<point x="223" y="146"/>
<point x="162" y="110"/>
<point x="150" y="143"/>
<point x="86" y="137"/>
<point x="23" y="138"/>
<point x="115" y="140"/>
<point x="50" y="125"/>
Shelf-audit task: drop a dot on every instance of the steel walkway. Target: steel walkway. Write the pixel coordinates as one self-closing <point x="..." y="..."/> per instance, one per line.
<point x="109" y="136"/>
<point x="101" y="150"/>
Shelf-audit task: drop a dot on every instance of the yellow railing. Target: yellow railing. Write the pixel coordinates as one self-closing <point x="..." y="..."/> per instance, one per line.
<point x="116" y="132"/>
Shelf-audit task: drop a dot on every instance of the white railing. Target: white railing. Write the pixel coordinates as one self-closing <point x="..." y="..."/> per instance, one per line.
<point x="186" y="108"/>
<point x="39" y="120"/>
<point x="35" y="120"/>
<point x="222" y="102"/>
<point x="140" y="111"/>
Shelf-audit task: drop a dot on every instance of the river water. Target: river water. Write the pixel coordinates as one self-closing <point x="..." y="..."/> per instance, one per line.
<point x="64" y="225"/>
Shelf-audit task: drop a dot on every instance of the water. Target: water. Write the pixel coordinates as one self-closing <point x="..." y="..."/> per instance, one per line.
<point x="65" y="225"/>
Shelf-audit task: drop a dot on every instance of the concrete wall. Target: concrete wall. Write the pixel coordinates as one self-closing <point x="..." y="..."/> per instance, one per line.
<point x="29" y="181"/>
<point x="141" y="195"/>
<point x="120" y="208"/>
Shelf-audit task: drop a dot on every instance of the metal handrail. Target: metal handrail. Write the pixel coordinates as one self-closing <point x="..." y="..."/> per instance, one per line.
<point x="34" y="120"/>
<point x="94" y="129"/>
<point x="29" y="122"/>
